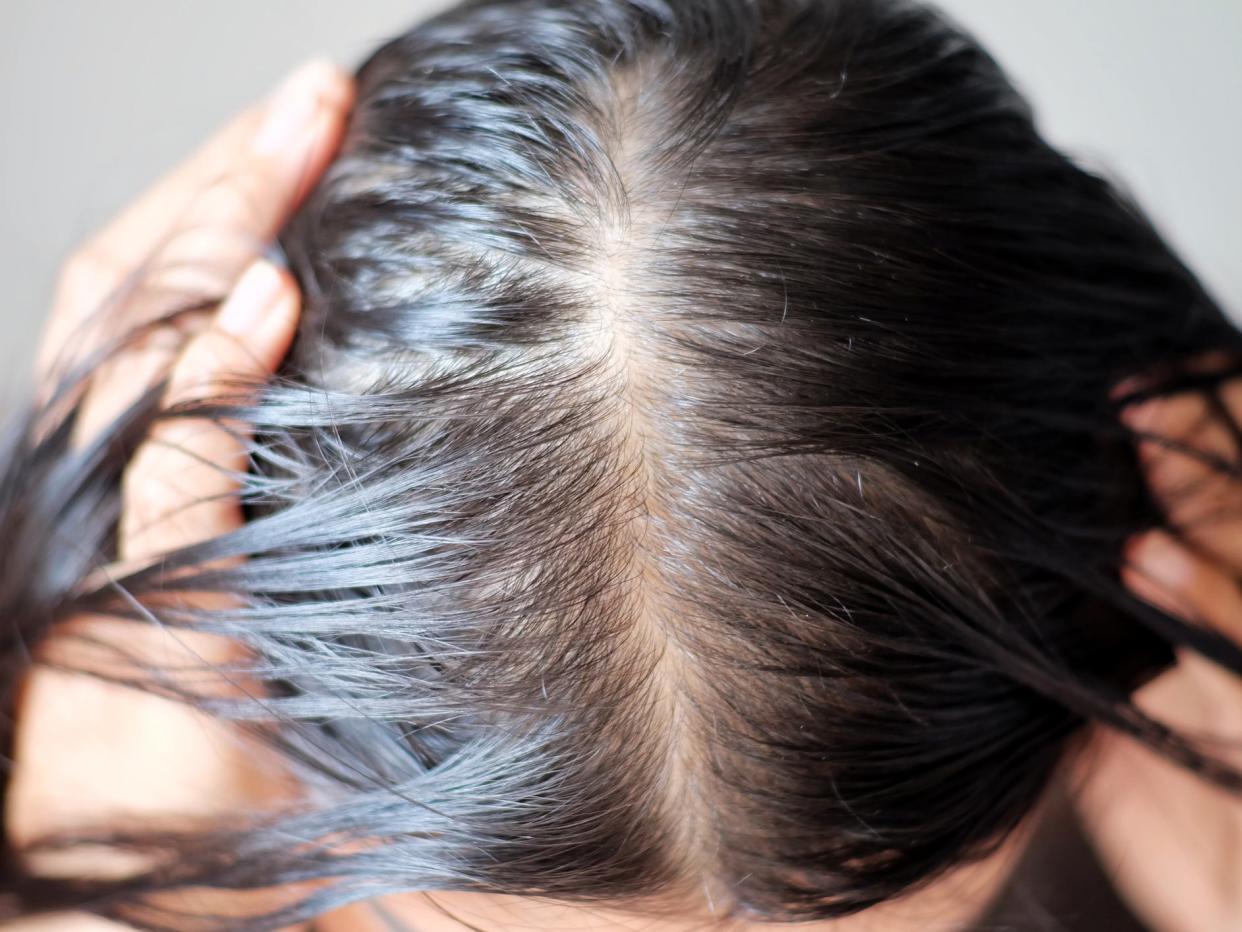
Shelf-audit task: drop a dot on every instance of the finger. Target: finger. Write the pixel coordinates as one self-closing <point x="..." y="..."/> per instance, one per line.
<point x="99" y="267"/>
<point x="250" y="147"/>
<point x="1203" y="364"/>
<point x="1187" y="448"/>
<point x="121" y="382"/>
<point x="1193" y="587"/>
<point x="230" y="220"/>
<point x="108" y="774"/>
<point x="180" y="487"/>
<point x="1174" y="578"/>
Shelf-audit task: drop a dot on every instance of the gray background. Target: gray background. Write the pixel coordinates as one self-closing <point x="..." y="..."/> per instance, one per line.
<point x="97" y="97"/>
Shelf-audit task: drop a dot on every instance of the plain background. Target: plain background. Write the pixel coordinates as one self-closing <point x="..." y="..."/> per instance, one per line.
<point x="98" y="97"/>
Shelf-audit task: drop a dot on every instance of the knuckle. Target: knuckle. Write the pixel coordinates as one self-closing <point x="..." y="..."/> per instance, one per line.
<point x="233" y="200"/>
<point x="226" y="224"/>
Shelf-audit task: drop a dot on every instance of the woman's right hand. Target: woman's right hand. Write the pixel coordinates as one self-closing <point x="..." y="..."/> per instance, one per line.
<point x="1171" y="841"/>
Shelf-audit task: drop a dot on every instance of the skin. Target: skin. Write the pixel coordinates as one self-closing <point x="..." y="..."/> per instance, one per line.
<point x="1173" y="842"/>
<point x="88" y="752"/>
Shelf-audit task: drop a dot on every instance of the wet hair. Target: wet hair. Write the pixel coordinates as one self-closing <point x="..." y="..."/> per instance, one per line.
<point x="698" y="464"/>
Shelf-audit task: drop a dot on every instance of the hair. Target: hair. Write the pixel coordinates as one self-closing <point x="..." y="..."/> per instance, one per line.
<point x="699" y="463"/>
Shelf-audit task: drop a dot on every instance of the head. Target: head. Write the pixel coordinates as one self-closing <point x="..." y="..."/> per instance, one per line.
<point x="697" y="486"/>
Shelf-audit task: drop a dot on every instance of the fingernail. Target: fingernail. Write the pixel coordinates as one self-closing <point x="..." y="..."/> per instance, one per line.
<point x="1143" y="415"/>
<point x="293" y="106"/>
<point x="1162" y="558"/>
<point x="255" y="293"/>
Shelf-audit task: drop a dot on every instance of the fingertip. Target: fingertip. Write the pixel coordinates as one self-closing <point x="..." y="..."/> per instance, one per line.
<point x="336" y="95"/>
<point x="1143" y="416"/>
<point x="263" y="331"/>
<point x="1160" y="572"/>
<point x="249" y="336"/>
<point x="1129" y="385"/>
<point x="333" y="84"/>
<point x="1157" y="555"/>
<point x="259" y="289"/>
<point x="319" y="81"/>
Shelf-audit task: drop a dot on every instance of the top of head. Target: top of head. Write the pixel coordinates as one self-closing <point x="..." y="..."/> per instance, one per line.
<point x="720" y="392"/>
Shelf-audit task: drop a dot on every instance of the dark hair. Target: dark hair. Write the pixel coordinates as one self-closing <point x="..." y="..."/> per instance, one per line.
<point x="697" y="464"/>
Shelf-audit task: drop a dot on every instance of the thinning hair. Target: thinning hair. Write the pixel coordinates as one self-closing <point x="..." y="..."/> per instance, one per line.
<point x="697" y="465"/>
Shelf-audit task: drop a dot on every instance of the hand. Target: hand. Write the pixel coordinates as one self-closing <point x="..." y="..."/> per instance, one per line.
<point x="1172" y="842"/>
<point x="190" y="235"/>
<point x="87" y="751"/>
